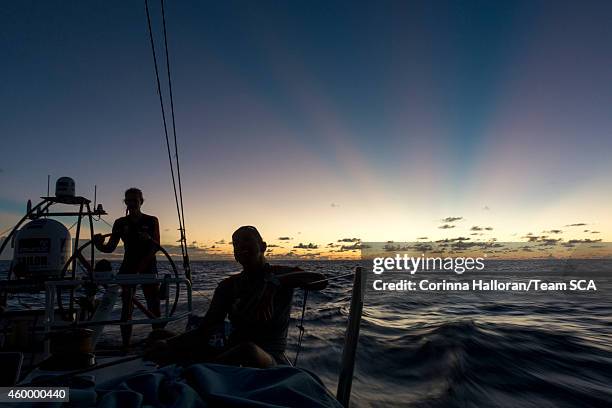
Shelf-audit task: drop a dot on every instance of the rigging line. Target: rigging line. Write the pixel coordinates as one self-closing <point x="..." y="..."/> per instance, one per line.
<point x="104" y="221"/>
<point x="161" y="102"/>
<point x="176" y="154"/>
<point x="5" y="231"/>
<point x="330" y="279"/>
<point x="301" y="328"/>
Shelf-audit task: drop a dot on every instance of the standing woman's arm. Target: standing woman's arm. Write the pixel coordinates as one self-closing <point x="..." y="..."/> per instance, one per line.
<point x="156" y="236"/>
<point x="113" y="241"/>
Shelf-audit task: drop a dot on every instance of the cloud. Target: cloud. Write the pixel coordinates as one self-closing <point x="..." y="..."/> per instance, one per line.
<point x="542" y="240"/>
<point x="274" y="246"/>
<point x="422" y="238"/>
<point x="294" y="255"/>
<point x="349" y="240"/>
<point x="306" y="246"/>
<point x="553" y="231"/>
<point x="284" y="238"/>
<point x="583" y="241"/>
<point x="356" y="246"/>
<point x="458" y="239"/>
<point x="220" y="242"/>
<point x="578" y="224"/>
<point x="549" y="241"/>
<point x="446" y="226"/>
<point x="573" y="242"/>
<point x="486" y="208"/>
<point x="477" y="228"/>
<point x="595" y="232"/>
<point x="334" y="205"/>
<point x="389" y="247"/>
<point x="451" y="219"/>
<point x="196" y="253"/>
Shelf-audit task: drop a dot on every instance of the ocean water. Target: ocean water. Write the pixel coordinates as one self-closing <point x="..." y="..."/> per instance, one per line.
<point x="454" y="349"/>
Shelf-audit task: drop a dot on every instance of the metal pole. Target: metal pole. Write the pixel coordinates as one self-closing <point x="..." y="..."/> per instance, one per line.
<point x="91" y="232"/>
<point x="351" y="339"/>
<point x="74" y="260"/>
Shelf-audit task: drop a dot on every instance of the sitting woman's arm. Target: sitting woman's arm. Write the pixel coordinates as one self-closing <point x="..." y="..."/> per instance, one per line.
<point x="303" y="279"/>
<point x="214" y="317"/>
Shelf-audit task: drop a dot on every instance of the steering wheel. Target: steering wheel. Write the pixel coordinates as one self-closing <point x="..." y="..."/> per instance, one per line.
<point x="90" y="272"/>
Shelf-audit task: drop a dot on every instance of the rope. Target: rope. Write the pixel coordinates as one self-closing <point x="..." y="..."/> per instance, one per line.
<point x="104" y="221"/>
<point x="186" y="264"/>
<point x="5" y="231"/>
<point x="161" y="103"/>
<point x="301" y="328"/>
<point x="72" y="226"/>
<point x="331" y="279"/>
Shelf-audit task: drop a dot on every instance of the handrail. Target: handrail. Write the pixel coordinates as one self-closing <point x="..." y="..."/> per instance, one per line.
<point x="51" y="290"/>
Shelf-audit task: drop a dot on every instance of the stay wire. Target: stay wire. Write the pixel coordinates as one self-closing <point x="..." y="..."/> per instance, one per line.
<point x="161" y="102"/>
<point x="176" y="154"/>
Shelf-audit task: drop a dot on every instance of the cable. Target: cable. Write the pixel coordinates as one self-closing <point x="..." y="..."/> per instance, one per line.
<point x="161" y="102"/>
<point x="104" y="221"/>
<point x="330" y="279"/>
<point x="301" y="328"/>
<point x="186" y="264"/>
<point x="72" y="226"/>
<point x="5" y="231"/>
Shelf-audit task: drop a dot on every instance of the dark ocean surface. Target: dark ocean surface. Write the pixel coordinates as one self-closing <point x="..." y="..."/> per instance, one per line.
<point x="453" y="348"/>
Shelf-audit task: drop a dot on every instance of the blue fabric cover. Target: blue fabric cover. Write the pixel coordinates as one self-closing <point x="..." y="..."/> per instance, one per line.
<point x="213" y="385"/>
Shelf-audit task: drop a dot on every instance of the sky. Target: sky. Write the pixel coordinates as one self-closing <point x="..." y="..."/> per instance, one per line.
<point x="327" y="123"/>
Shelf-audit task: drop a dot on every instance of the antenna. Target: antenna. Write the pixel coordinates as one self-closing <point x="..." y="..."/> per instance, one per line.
<point x="95" y="195"/>
<point x="48" y="192"/>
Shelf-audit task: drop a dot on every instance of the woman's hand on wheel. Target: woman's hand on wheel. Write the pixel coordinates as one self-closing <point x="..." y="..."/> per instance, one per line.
<point x="98" y="240"/>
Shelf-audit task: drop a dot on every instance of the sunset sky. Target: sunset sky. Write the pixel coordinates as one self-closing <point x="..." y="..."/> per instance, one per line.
<point x="319" y="121"/>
